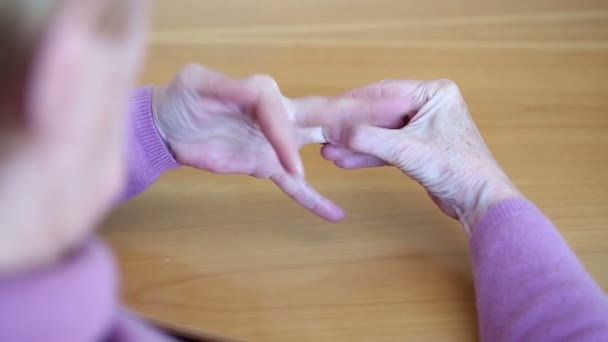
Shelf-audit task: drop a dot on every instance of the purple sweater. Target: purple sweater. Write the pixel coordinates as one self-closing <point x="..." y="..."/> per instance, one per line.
<point x="529" y="284"/>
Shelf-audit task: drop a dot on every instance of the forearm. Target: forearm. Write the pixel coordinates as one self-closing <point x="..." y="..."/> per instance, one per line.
<point x="530" y="286"/>
<point x="148" y="157"/>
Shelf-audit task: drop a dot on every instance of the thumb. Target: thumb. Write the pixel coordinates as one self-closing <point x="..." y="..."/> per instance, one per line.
<point x="382" y="143"/>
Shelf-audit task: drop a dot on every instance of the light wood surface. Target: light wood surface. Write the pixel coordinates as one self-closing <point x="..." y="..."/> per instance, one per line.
<point x="233" y="256"/>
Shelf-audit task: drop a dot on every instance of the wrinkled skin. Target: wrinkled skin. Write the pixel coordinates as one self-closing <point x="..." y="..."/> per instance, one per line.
<point x="440" y="148"/>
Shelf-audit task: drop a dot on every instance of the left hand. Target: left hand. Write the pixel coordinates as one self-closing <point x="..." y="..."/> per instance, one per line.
<point x="246" y="126"/>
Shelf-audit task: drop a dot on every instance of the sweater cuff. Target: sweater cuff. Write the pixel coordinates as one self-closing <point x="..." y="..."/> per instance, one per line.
<point x="500" y="213"/>
<point x="154" y="147"/>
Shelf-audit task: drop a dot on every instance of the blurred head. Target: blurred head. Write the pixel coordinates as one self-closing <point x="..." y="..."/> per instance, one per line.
<point x="66" y="70"/>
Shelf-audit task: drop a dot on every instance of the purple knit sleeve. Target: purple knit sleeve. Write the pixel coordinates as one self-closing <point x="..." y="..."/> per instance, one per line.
<point x="148" y="156"/>
<point x="529" y="284"/>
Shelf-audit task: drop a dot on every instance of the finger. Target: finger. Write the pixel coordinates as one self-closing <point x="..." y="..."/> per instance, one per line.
<point x="382" y="143"/>
<point x="311" y="135"/>
<point x="370" y="90"/>
<point x="301" y="192"/>
<point x="391" y="88"/>
<point x="359" y="161"/>
<point x="274" y="122"/>
<point x="349" y="159"/>
<point x="418" y="92"/>
<point x="335" y="152"/>
<point x="326" y="111"/>
<point x="215" y="84"/>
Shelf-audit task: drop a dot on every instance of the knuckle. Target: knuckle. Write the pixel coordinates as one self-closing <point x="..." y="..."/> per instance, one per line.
<point x="297" y="194"/>
<point x="449" y="87"/>
<point x="263" y="81"/>
<point x="191" y="75"/>
<point x="383" y="85"/>
<point x="190" y="70"/>
<point x="193" y="68"/>
<point x="450" y="92"/>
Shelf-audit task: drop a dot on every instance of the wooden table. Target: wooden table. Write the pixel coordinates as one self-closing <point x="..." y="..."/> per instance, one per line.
<point x="233" y="256"/>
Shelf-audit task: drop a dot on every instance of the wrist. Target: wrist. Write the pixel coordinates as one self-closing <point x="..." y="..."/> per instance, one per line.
<point x="491" y="192"/>
<point x="158" y="95"/>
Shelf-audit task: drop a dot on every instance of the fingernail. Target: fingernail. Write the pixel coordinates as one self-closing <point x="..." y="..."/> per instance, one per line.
<point x="332" y="134"/>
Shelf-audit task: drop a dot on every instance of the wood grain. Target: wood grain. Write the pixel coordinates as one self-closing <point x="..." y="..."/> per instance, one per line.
<point x="233" y="256"/>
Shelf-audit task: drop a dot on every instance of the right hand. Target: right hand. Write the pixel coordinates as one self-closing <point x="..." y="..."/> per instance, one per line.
<point x="439" y="147"/>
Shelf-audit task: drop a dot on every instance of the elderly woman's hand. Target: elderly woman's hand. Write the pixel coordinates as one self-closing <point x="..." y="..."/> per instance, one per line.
<point x="246" y="126"/>
<point x="439" y="147"/>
